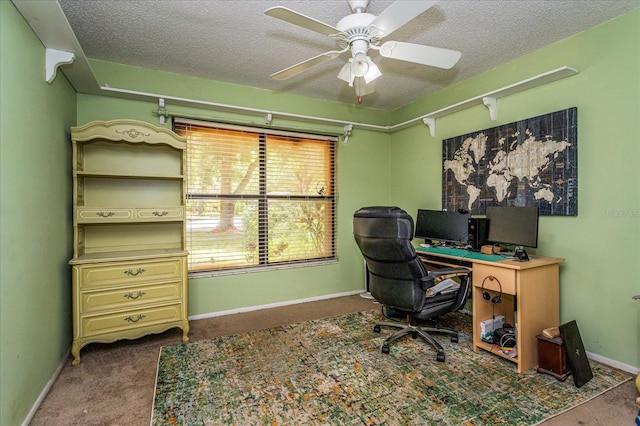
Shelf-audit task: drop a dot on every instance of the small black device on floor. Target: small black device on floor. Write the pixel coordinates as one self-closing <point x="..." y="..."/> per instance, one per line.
<point x="505" y="337"/>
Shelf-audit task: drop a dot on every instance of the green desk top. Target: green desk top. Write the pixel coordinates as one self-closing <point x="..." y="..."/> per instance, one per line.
<point x="461" y="253"/>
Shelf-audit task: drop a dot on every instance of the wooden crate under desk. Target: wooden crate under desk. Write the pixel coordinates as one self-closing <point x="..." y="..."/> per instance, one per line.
<point x="552" y="357"/>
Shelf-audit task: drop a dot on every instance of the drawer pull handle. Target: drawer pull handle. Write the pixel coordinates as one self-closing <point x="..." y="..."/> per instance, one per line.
<point x="134" y="297"/>
<point x="129" y="319"/>
<point x="163" y="213"/>
<point x="133" y="274"/>
<point x="105" y="214"/>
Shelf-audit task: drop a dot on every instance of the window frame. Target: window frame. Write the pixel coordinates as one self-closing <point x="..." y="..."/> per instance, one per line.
<point x="263" y="198"/>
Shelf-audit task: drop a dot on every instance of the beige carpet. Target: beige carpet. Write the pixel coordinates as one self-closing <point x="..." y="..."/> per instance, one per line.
<point x="114" y="383"/>
<point x="331" y="371"/>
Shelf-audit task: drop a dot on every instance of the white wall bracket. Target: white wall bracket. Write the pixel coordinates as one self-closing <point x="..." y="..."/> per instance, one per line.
<point x="55" y="58"/>
<point x="491" y="103"/>
<point x="490" y="99"/>
<point x="161" y="112"/>
<point x="268" y="118"/>
<point x="431" y="123"/>
<point x="347" y="132"/>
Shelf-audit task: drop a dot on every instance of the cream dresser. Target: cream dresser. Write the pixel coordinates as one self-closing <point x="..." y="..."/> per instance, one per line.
<point x="129" y="266"/>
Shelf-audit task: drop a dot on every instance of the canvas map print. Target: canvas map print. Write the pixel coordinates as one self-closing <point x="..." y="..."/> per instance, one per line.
<point x="532" y="162"/>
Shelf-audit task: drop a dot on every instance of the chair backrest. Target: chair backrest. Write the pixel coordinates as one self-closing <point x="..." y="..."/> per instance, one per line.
<point x="397" y="277"/>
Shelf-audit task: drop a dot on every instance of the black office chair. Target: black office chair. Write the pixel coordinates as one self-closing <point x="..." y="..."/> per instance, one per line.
<point x="398" y="278"/>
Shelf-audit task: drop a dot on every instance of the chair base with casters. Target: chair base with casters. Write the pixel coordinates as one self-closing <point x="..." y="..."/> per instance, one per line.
<point x="415" y="331"/>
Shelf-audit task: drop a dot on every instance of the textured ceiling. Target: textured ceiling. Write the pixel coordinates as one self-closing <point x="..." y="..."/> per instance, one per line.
<point x="235" y="42"/>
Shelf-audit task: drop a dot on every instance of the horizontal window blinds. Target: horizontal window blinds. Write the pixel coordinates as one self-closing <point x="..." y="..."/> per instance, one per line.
<point x="257" y="197"/>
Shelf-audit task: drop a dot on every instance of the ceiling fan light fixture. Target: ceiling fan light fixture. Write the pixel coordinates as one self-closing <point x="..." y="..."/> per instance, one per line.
<point x="373" y="71"/>
<point x="345" y="73"/>
<point x="359" y="65"/>
<point x="348" y="75"/>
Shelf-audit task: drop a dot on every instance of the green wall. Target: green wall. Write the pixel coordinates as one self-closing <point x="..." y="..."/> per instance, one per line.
<point x="35" y="218"/>
<point x="360" y="180"/>
<point x="602" y="243"/>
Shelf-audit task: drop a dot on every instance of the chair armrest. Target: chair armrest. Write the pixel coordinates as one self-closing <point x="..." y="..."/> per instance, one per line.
<point x="449" y="272"/>
<point x="445" y="273"/>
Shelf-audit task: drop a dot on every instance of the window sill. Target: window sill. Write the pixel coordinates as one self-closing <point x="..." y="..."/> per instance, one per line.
<point x="250" y="270"/>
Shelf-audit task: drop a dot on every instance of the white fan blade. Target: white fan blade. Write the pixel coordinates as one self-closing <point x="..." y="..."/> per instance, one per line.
<point x="419" y="54"/>
<point x="305" y="65"/>
<point x="301" y="20"/>
<point x="398" y="14"/>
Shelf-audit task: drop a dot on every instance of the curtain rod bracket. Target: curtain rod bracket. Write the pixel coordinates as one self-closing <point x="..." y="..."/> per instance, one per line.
<point x="347" y="132"/>
<point x="161" y="112"/>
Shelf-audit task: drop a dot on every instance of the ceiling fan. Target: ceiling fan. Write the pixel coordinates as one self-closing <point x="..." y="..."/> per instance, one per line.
<point x="361" y="31"/>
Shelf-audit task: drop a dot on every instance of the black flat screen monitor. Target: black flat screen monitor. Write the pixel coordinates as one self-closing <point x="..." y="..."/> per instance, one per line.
<point x="516" y="226"/>
<point x="442" y="226"/>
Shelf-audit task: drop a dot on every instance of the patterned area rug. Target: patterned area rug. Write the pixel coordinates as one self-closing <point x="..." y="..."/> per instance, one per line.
<point x="331" y="371"/>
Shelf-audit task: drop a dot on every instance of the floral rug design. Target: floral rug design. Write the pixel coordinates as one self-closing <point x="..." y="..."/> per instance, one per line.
<point x="331" y="371"/>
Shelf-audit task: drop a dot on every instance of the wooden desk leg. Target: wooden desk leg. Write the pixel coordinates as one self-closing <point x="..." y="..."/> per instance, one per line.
<point x="538" y="308"/>
<point x="476" y="297"/>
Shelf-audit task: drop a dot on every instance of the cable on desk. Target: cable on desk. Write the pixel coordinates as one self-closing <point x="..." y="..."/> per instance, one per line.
<point x="463" y="258"/>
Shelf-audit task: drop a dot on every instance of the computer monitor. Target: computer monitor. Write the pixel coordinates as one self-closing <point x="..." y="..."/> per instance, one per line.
<point x="516" y="226"/>
<point x="442" y="226"/>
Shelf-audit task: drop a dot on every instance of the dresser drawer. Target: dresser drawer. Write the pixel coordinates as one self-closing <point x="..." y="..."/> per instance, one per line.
<point x="129" y="273"/>
<point x="172" y="213"/>
<point x="106" y="215"/>
<point x="506" y="277"/>
<point x="128" y="320"/>
<point x="97" y="301"/>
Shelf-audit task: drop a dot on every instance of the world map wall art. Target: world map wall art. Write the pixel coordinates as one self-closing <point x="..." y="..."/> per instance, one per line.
<point x="532" y="162"/>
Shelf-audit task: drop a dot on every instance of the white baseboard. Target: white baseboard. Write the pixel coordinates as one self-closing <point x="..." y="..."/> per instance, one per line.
<point x="273" y="305"/>
<point x="613" y="363"/>
<point x="46" y="389"/>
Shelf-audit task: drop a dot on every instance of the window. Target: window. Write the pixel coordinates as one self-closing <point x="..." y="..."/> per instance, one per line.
<point x="257" y="198"/>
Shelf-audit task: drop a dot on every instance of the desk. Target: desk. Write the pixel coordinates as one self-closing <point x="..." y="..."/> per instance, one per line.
<point x="530" y="295"/>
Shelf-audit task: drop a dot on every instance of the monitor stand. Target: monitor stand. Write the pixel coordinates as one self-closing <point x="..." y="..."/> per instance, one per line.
<point x="520" y="254"/>
<point x="435" y="243"/>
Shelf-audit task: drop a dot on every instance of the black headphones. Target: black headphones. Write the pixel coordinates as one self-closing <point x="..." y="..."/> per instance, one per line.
<point x="487" y="296"/>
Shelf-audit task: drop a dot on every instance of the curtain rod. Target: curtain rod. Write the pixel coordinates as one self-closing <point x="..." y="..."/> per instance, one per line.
<point x="268" y="114"/>
<point x="489" y="99"/>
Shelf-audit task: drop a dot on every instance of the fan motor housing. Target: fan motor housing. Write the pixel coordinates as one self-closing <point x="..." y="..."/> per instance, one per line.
<point x="354" y="21"/>
<point x="358" y="5"/>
